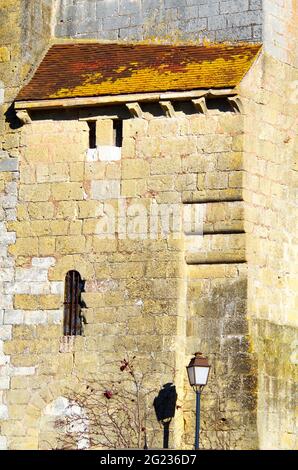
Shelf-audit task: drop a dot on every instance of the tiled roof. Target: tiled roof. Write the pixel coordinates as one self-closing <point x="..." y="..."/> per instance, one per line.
<point x="95" y="69"/>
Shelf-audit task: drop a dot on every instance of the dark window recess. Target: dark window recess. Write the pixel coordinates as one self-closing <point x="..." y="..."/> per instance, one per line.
<point x="220" y="104"/>
<point x="118" y="132"/>
<point x="73" y="304"/>
<point x="92" y="134"/>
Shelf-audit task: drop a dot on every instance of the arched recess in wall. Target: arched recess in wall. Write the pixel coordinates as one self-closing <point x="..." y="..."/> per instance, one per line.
<point x="72" y="318"/>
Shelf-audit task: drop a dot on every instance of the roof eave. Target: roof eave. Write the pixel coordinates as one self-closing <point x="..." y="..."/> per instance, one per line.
<point x="63" y="103"/>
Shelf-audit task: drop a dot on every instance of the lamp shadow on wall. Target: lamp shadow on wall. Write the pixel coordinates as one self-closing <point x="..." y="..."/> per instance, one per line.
<point x="165" y="407"/>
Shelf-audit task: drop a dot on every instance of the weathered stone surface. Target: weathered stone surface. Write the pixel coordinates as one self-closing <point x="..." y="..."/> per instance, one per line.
<point x="8" y="164"/>
<point x="175" y="19"/>
<point x="140" y="296"/>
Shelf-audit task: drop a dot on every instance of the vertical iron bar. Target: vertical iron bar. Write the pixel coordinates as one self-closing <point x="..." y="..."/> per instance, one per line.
<point x="73" y="303"/>
<point x="76" y="302"/>
<point x="198" y="403"/>
<point x="66" y="306"/>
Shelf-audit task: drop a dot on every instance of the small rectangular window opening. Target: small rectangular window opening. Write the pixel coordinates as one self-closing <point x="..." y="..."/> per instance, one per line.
<point x="118" y="132"/>
<point x="72" y="304"/>
<point x="92" y="134"/>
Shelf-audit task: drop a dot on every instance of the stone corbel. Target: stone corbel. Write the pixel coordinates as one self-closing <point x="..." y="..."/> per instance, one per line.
<point x="23" y="116"/>
<point x="167" y="108"/>
<point x="236" y="104"/>
<point x="135" y="110"/>
<point x="200" y="105"/>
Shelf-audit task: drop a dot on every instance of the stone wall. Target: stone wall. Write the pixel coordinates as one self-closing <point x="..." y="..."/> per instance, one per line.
<point x="137" y="297"/>
<point x="252" y="321"/>
<point x="24" y="33"/>
<point x="271" y="222"/>
<point x="214" y="20"/>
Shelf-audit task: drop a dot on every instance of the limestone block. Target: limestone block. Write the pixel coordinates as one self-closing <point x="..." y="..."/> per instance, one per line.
<point x="59" y="227"/>
<point x="40" y="210"/>
<point x="18" y="396"/>
<point x="89" y="209"/>
<point x="76" y="171"/>
<point x="46" y="246"/>
<point x="224" y="217"/>
<point x="134" y="127"/>
<point x="230" y="161"/>
<point x="105" y="189"/>
<point x="49" y="302"/>
<point x="67" y="191"/>
<point x="55" y="316"/>
<point x="104" y="132"/>
<point x="165" y="166"/>
<point x="71" y="244"/>
<point x="35" y="192"/>
<point x="135" y="169"/>
<point x="95" y="170"/>
<point x="66" y="209"/>
<point x="215" y="143"/>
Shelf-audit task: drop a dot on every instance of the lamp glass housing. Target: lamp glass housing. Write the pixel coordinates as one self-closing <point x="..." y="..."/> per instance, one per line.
<point x="198" y="371"/>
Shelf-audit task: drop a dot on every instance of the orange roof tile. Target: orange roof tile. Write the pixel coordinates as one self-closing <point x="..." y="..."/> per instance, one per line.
<point x="95" y="69"/>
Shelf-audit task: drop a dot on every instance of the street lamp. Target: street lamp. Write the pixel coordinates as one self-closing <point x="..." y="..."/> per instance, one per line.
<point x="198" y="372"/>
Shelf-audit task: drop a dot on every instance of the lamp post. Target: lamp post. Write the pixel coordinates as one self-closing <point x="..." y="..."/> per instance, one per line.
<point x="198" y="372"/>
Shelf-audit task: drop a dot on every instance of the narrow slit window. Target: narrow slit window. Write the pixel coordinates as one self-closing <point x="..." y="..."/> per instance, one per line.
<point x="72" y="304"/>
<point x="118" y="132"/>
<point x="92" y="134"/>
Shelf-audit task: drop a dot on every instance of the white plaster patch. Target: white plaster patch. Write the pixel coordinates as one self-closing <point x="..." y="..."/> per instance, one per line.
<point x="104" y="153"/>
<point x="4" y="383"/>
<point x="57" y="407"/>
<point x="92" y="155"/>
<point x="2" y="93"/>
<point x="3" y="443"/>
<point x="6" y="274"/>
<point x="3" y="412"/>
<point x="106" y="285"/>
<point x="13" y="317"/>
<point x="57" y="287"/>
<point x="77" y="423"/>
<point x="106" y="189"/>
<point x="31" y="274"/>
<point x="4" y="359"/>
<point x="5" y="332"/>
<point x="108" y="153"/>
<point x="39" y="288"/>
<point x="35" y="317"/>
<point x="22" y="371"/>
<point x="43" y="262"/>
